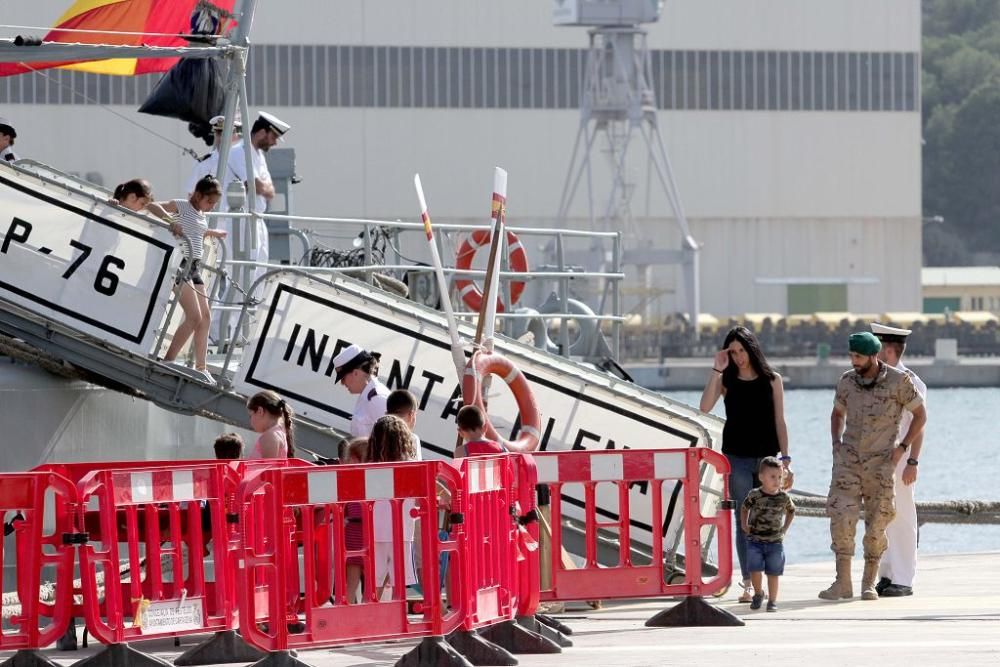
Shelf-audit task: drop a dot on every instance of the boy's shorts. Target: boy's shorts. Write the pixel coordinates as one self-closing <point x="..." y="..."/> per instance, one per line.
<point x="766" y="557"/>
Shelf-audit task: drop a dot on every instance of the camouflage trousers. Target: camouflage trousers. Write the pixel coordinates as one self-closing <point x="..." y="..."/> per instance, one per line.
<point x="860" y="478"/>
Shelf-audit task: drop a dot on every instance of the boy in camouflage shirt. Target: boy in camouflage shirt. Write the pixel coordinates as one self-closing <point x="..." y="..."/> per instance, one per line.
<point x="766" y="515"/>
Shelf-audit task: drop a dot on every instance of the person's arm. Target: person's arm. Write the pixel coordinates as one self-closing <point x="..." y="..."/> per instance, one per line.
<point x="789" y="515"/>
<point x="713" y="388"/>
<point x="745" y="519"/>
<point x="778" y="389"/>
<point x="916" y="430"/>
<point x="159" y="211"/>
<point x="215" y="233"/>
<point x="838" y="414"/>
<point x="264" y="188"/>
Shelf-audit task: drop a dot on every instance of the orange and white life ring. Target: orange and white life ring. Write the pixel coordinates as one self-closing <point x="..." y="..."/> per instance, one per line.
<point x="485" y="363"/>
<point x="469" y="291"/>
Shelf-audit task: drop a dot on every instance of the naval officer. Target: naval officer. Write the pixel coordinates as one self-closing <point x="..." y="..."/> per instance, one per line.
<point x="899" y="563"/>
<point x="357" y="369"/>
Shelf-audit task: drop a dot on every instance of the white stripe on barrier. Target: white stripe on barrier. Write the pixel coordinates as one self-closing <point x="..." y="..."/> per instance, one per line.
<point x="379" y="484"/>
<point x="322" y="487"/>
<point x="670" y="466"/>
<point x="183" y="482"/>
<point x="548" y="469"/>
<point x="484" y="476"/>
<point x="142" y="487"/>
<point x="606" y="466"/>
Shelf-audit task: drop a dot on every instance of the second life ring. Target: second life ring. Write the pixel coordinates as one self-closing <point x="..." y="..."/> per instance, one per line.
<point x="516" y="257"/>
<point x="485" y="363"/>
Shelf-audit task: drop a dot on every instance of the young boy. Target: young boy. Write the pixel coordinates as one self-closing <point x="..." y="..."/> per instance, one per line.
<point x="472" y="427"/>
<point x="765" y="516"/>
<point x="403" y="404"/>
<point x="228" y="446"/>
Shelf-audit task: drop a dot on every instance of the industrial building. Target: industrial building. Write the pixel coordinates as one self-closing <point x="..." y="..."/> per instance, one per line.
<point x="793" y="129"/>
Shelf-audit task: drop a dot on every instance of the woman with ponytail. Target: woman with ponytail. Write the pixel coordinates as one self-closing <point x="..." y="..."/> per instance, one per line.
<point x="271" y="416"/>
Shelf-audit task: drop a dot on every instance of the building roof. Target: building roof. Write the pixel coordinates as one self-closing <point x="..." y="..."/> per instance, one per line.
<point x="959" y="276"/>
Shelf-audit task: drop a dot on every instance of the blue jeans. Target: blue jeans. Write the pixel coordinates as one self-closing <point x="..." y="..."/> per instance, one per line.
<point x="766" y="557"/>
<point x="742" y="479"/>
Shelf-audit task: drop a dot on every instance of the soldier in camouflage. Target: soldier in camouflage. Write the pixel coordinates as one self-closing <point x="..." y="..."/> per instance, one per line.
<point x="870" y="401"/>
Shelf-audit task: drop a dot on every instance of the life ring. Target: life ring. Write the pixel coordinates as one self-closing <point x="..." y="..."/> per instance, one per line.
<point x="485" y="363"/>
<point x="469" y="291"/>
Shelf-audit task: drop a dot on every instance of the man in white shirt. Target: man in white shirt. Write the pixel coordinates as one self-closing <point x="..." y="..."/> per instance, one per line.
<point x="899" y="563"/>
<point x="7" y="136"/>
<point x="209" y="164"/>
<point x="267" y="130"/>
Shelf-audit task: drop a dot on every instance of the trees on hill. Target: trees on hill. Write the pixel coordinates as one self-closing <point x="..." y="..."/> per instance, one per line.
<point x="961" y="128"/>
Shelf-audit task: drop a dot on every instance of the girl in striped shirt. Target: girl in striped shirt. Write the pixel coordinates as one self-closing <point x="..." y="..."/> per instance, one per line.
<point x="193" y="299"/>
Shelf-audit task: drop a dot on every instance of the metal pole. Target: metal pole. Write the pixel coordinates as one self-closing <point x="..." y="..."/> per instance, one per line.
<point x="616" y="297"/>
<point x="563" y="296"/>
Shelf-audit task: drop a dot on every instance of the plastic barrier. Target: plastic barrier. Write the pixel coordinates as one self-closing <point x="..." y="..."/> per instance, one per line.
<point x="495" y="539"/>
<point x="165" y="518"/>
<point x="41" y="556"/>
<point x="627" y="477"/>
<point x="288" y="510"/>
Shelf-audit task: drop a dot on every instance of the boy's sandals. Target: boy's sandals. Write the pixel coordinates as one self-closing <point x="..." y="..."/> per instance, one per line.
<point x="747" y="595"/>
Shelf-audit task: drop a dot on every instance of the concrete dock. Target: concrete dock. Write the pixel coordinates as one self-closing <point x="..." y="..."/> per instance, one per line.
<point x="953" y="619"/>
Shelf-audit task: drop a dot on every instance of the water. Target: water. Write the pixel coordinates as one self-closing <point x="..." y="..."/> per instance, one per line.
<point x="958" y="461"/>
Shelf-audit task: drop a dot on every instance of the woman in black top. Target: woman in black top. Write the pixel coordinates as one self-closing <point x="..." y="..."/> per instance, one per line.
<point x="755" y="421"/>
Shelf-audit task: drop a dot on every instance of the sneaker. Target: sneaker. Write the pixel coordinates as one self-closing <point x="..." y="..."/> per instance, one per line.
<point x="882" y="584"/>
<point x="772" y="605"/>
<point x="757" y="601"/>
<point x="205" y="376"/>
<point x="747" y="594"/>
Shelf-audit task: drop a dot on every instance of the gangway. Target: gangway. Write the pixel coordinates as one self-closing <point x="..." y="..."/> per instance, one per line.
<point x="91" y="314"/>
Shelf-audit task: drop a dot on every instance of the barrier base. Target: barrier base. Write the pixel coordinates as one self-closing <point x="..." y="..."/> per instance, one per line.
<point x="518" y="639"/>
<point x="121" y="655"/>
<point x="30" y="658"/>
<point x="226" y="646"/>
<point x="433" y="652"/>
<point x="279" y="659"/>
<point x="479" y="651"/>
<point x="553" y="622"/>
<point x="544" y="629"/>
<point x="693" y="611"/>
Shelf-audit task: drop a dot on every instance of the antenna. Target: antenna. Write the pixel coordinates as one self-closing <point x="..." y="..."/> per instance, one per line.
<point x="616" y="103"/>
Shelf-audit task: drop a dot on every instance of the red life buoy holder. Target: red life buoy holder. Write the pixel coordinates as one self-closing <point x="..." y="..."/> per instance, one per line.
<point x="469" y="291"/>
<point x="485" y="363"/>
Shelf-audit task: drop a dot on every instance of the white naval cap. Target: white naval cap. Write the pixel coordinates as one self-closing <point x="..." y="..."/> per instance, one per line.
<point x="890" y="334"/>
<point x="7" y="128"/>
<point x="275" y="123"/>
<point x="219" y="123"/>
<point x="351" y="357"/>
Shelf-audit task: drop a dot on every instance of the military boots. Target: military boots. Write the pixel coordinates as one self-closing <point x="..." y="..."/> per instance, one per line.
<point x="841" y="589"/>
<point x="868" y="591"/>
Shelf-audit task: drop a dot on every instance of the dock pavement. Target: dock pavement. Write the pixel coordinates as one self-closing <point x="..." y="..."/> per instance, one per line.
<point x="952" y="619"/>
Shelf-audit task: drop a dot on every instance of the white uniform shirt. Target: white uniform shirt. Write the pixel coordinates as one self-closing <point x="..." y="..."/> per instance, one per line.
<point x="918" y="384"/>
<point x="8" y="155"/>
<point x="238" y="164"/>
<point x="369" y="408"/>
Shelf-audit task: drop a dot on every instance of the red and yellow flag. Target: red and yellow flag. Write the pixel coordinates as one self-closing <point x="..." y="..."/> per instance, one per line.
<point x="170" y="17"/>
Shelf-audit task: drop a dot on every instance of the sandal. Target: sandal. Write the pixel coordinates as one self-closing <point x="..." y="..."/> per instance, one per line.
<point x="747" y="595"/>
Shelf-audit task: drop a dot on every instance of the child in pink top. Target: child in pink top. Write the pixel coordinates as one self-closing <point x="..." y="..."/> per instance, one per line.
<point x="271" y="416"/>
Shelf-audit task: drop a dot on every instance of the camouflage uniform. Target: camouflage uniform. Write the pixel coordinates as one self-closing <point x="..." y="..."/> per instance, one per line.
<point x="862" y="463"/>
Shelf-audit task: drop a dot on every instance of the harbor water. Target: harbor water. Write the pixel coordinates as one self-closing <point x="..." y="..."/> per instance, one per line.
<point x="959" y="462"/>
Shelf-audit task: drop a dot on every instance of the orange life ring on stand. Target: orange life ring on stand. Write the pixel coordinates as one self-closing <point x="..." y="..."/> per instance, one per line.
<point x="485" y="363"/>
<point x="516" y="257"/>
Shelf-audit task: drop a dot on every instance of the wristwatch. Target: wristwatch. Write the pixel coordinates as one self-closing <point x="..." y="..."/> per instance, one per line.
<point x="912" y="461"/>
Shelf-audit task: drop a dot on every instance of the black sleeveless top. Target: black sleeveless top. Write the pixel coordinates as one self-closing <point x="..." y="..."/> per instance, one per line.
<point x="750" y="430"/>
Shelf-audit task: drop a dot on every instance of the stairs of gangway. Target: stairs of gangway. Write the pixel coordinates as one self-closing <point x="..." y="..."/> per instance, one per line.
<point x="61" y="349"/>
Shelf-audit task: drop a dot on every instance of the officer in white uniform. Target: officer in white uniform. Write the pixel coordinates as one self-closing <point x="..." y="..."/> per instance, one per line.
<point x="357" y="369"/>
<point x="209" y="164"/>
<point x="899" y="563"/>
<point x="7" y="136"/>
<point x="267" y="130"/>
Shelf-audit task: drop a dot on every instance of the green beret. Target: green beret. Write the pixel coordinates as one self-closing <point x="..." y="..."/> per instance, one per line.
<point x="864" y="343"/>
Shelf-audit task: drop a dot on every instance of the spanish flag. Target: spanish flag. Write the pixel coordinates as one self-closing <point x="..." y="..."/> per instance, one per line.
<point x="165" y="17"/>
